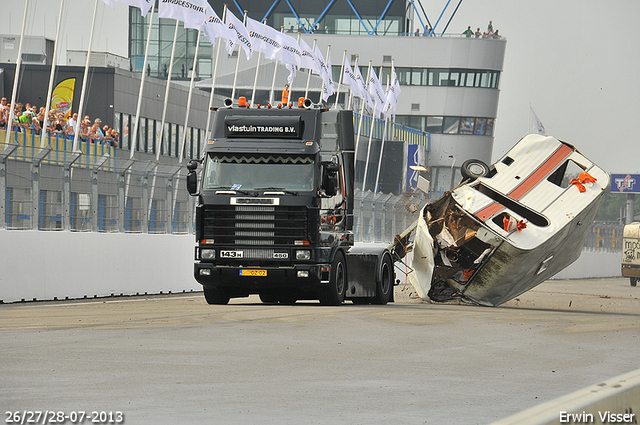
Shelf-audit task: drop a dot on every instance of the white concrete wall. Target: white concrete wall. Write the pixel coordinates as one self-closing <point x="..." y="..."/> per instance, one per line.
<point x="619" y="396"/>
<point x="47" y="265"/>
<point x="593" y="264"/>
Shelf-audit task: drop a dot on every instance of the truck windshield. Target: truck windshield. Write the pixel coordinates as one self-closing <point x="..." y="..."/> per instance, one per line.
<point x="252" y="172"/>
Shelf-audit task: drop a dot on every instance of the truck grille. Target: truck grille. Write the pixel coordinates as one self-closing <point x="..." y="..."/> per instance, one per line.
<point x="255" y="225"/>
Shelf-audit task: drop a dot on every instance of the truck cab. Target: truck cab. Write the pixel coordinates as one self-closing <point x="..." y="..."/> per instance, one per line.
<point x="274" y="215"/>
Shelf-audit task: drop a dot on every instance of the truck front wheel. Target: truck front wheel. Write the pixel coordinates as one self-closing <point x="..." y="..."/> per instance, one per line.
<point x="216" y="295"/>
<point x="334" y="293"/>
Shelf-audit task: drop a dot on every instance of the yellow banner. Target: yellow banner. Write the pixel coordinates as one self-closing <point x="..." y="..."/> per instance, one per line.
<point x="62" y="96"/>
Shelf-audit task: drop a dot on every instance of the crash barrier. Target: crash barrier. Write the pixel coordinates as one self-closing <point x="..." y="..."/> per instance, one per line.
<point x="616" y="400"/>
<point x="593" y="263"/>
<point x="55" y="189"/>
<point x="378" y="217"/>
<point x="393" y="131"/>
<point x="27" y="147"/>
<point x="605" y="236"/>
<point x="60" y="265"/>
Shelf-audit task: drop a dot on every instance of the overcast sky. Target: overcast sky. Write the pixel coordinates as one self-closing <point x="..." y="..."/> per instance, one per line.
<point x="575" y="62"/>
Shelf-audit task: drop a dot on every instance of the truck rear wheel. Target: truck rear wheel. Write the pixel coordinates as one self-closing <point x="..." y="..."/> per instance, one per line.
<point x="384" y="284"/>
<point x="334" y="293"/>
<point x="634" y="281"/>
<point x="216" y="295"/>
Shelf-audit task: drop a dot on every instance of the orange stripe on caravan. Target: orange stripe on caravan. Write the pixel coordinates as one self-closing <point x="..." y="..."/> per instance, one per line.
<point x="528" y="184"/>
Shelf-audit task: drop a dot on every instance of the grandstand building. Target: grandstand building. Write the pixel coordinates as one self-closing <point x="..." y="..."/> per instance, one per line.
<point x="450" y="82"/>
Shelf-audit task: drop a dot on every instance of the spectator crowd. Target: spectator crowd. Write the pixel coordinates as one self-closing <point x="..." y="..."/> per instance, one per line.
<point x="490" y="33"/>
<point x="29" y="119"/>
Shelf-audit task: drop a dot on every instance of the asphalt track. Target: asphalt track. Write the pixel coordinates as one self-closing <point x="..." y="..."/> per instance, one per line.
<point x="173" y="359"/>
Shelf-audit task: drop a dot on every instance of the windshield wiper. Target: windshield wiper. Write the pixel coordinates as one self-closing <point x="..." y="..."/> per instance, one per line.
<point x="278" y="189"/>
<point x="228" y="189"/>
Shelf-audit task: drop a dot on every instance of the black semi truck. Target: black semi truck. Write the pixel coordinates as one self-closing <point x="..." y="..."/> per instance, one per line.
<point x="274" y="215"/>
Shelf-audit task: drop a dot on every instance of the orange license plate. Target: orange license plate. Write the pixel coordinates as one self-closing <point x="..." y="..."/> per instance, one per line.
<point x="253" y="272"/>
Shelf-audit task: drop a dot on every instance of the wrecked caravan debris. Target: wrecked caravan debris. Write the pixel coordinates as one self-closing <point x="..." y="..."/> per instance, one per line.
<point x="508" y="228"/>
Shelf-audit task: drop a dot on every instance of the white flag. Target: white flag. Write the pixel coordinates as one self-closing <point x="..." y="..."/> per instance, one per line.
<point x="536" y="124"/>
<point x="377" y="92"/>
<point x="292" y="73"/>
<point x="191" y="13"/>
<point x="143" y="5"/>
<point x="392" y="95"/>
<point x="349" y="77"/>
<point x="364" y="94"/>
<point x="291" y="52"/>
<point x="242" y="35"/>
<point x="215" y="28"/>
<point x="308" y="57"/>
<point x="326" y="74"/>
<point x="264" y="38"/>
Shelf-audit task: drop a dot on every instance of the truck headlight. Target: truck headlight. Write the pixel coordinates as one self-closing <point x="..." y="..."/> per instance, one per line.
<point x="207" y="254"/>
<point x="303" y="254"/>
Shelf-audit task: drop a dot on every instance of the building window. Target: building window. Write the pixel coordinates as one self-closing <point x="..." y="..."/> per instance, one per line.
<point x="448" y="125"/>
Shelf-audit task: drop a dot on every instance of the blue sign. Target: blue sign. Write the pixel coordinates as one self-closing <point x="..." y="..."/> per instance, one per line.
<point x="625" y="183"/>
<point x="416" y="157"/>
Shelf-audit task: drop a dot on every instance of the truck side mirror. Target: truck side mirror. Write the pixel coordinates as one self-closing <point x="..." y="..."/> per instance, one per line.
<point x="330" y="179"/>
<point x="192" y="178"/>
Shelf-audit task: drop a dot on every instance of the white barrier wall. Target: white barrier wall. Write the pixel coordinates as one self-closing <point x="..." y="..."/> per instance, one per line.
<point x="593" y="264"/>
<point x="614" y="401"/>
<point x="47" y="265"/>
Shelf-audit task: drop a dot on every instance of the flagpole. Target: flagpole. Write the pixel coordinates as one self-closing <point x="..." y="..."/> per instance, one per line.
<point x="134" y="140"/>
<point x="362" y="114"/>
<point x="255" y="79"/>
<point x="157" y="142"/>
<point x="355" y="66"/>
<point x="294" y="71"/>
<point x="51" y="77"/>
<point x="384" y="131"/>
<point x="329" y="70"/>
<point x="186" y="119"/>
<point x="235" y="76"/>
<point x="166" y="94"/>
<point x="84" y="81"/>
<point x="275" y="69"/>
<point x="14" y="91"/>
<point x="213" y="78"/>
<point x="344" y="56"/>
<point x="306" y="91"/>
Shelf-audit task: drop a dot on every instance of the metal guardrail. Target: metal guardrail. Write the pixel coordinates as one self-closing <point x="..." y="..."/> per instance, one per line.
<point x="378" y="217"/>
<point x="394" y="131"/>
<point x="52" y="188"/>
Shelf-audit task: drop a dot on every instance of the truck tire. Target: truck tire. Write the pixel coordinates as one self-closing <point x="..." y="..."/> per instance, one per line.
<point x="216" y="295"/>
<point x="384" y="281"/>
<point x="268" y="297"/>
<point x="287" y="299"/>
<point x="471" y="169"/>
<point x="335" y="292"/>
<point x="634" y="281"/>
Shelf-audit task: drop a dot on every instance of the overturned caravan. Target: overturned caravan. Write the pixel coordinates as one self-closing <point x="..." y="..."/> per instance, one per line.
<point x="509" y="227"/>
